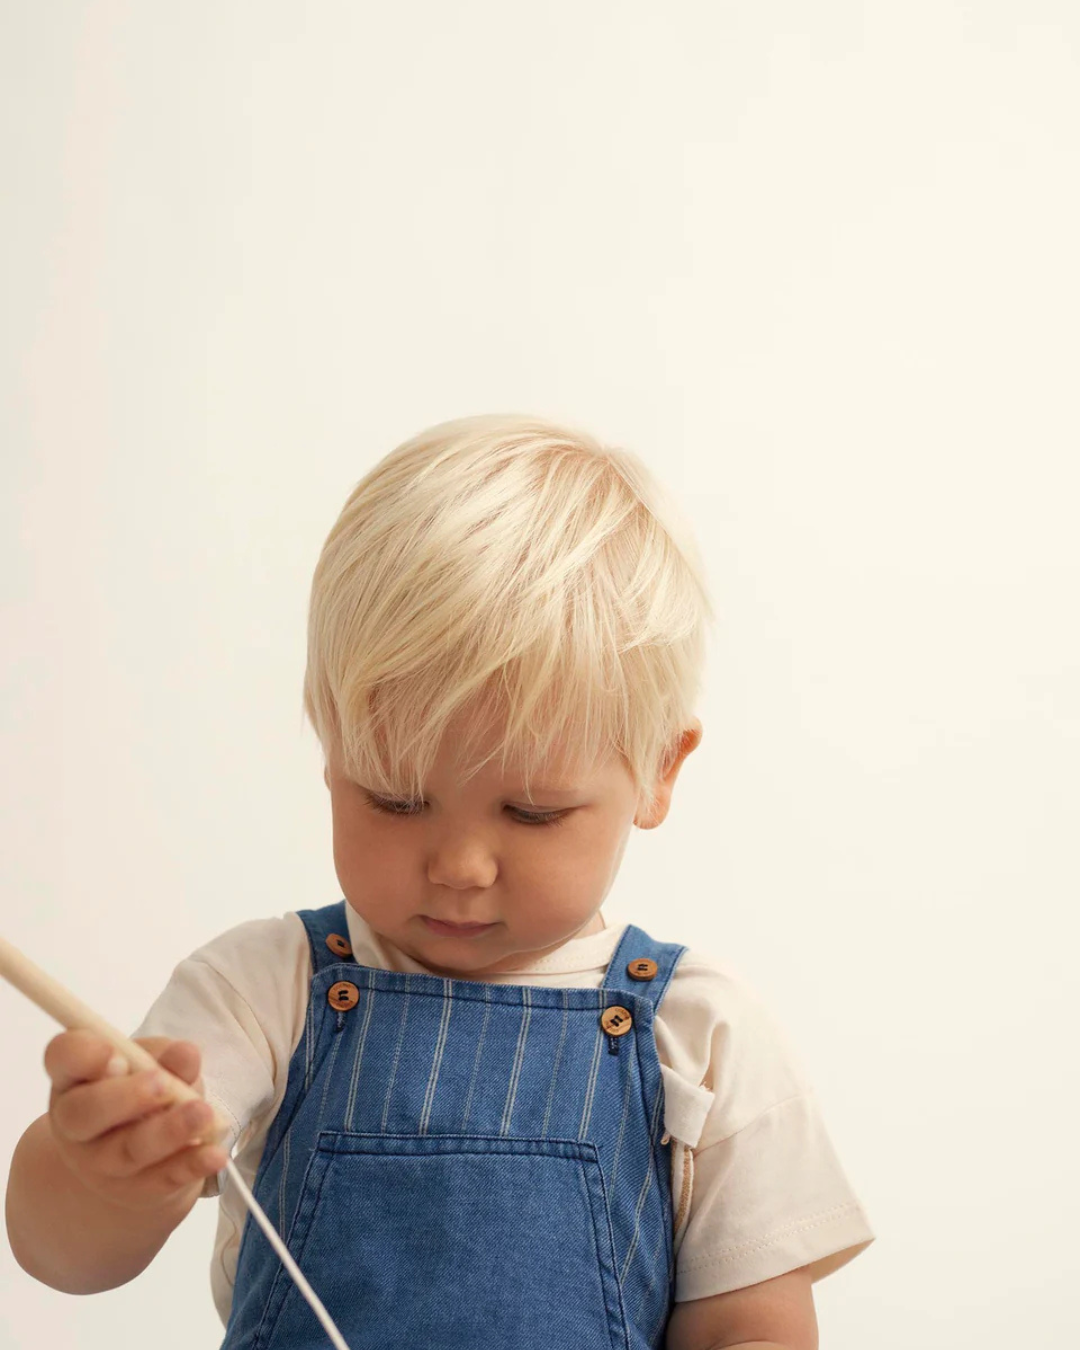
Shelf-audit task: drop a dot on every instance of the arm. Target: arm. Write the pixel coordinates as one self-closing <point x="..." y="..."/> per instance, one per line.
<point x="67" y="1237"/>
<point x="776" y="1314"/>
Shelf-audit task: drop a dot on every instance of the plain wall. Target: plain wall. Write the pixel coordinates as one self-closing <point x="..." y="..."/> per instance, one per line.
<point x="817" y="265"/>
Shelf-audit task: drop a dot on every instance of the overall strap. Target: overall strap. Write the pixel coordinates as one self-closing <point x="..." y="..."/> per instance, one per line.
<point x="637" y="950"/>
<point x="323" y="924"/>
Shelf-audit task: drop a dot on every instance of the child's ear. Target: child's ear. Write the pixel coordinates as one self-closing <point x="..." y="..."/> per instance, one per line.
<point x="689" y="740"/>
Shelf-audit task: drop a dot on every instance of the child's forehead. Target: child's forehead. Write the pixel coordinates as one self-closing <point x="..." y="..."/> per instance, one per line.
<point x="561" y="771"/>
<point x="475" y="755"/>
<point x="554" y="778"/>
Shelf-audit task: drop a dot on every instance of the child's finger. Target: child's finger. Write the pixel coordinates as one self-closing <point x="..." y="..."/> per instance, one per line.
<point x="155" y="1184"/>
<point x="87" y="1110"/>
<point x="125" y="1152"/>
<point x="181" y="1058"/>
<point x="76" y="1057"/>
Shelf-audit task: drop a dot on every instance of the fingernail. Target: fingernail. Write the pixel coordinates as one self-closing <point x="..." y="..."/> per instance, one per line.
<point x="116" y="1066"/>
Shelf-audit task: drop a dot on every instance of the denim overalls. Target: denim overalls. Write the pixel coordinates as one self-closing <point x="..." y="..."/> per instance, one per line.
<point x="459" y="1165"/>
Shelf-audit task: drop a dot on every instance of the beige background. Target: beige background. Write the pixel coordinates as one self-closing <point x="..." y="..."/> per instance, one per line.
<point x="817" y="264"/>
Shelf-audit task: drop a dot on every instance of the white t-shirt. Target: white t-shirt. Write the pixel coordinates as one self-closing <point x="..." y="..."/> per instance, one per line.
<point x="757" y="1187"/>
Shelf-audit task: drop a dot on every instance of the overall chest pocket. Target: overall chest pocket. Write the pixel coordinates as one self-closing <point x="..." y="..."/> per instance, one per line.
<point x="451" y="1242"/>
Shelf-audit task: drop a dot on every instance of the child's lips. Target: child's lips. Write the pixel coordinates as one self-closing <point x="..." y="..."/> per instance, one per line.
<point x="455" y="929"/>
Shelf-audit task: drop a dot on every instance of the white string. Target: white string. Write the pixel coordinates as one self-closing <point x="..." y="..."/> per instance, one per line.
<point x="290" y="1265"/>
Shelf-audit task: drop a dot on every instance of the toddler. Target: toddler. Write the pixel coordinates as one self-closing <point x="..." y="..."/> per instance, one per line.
<point x="484" y="1112"/>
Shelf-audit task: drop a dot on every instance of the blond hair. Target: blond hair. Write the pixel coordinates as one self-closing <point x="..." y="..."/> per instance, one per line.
<point x="516" y="567"/>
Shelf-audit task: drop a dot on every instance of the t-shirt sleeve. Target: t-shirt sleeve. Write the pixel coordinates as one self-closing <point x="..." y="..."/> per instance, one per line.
<point x="768" y="1199"/>
<point x="760" y="1188"/>
<point x="240" y="999"/>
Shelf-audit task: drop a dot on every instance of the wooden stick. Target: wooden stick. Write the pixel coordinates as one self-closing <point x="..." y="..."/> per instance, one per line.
<point x="51" y="997"/>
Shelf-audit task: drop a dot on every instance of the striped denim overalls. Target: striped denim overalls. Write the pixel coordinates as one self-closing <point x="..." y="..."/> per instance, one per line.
<point x="460" y="1165"/>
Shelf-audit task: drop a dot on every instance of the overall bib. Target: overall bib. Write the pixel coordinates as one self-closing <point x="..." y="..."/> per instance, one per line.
<point x="458" y="1165"/>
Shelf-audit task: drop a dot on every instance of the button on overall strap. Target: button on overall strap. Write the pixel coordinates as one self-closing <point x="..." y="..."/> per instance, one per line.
<point x="642" y="966"/>
<point x="328" y="934"/>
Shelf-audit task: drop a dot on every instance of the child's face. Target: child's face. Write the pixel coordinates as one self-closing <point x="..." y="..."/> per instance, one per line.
<point x="468" y="856"/>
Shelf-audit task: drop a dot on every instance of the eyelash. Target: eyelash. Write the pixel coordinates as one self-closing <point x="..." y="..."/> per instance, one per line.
<point x="523" y="818"/>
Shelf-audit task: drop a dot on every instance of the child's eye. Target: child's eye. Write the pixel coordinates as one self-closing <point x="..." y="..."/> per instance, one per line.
<point x="392" y="808"/>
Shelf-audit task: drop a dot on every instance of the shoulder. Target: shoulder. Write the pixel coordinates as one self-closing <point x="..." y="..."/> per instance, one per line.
<point x="720" y="997"/>
<point x="250" y="980"/>
<point x="256" y="948"/>
<point x="715" y="1032"/>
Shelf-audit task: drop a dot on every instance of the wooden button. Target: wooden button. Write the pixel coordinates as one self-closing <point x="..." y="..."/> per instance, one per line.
<point x="338" y="945"/>
<point x="616" y="1021"/>
<point x="642" y="969"/>
<point x="343" y="996"/>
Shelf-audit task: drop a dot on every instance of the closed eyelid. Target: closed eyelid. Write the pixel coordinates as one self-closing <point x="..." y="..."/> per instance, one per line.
<point x="522" y="803"/>
<point x="531" y="809"/>
<point x="406" y="810"/>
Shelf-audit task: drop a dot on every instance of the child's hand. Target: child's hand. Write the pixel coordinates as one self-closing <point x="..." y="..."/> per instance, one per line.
<point x="112" y="1130"/>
